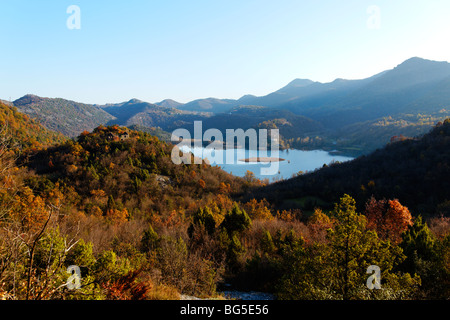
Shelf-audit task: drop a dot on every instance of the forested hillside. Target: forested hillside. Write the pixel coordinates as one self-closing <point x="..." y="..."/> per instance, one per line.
<point x="138" y="226"/>
<point x="415" y="171"/>
<point x="65" y="116"/>
<point x="24" y="131"/>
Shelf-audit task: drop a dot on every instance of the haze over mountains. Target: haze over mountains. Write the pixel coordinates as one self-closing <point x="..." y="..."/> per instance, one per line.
<point x="354" y="116"/>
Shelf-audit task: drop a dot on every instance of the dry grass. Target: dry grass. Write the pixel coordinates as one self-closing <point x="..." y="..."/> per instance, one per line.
<point x="163" y="292"/>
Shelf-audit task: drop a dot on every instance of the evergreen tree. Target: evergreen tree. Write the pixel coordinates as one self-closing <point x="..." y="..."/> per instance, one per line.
<point x="204" y="217"/>
<point x="337" y="268"/>
<point x="236" y="220"/>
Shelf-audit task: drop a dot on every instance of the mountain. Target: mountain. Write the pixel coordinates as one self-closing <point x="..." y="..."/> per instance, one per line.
<point x="130" y="111"/>
<point x="65" y="116"/>
<point x="169" y="103"/>
<point x="257" y="117"/>
<point x="147" y="117"/>
<point x="8" y="103"/>
<point x="210" y="105"/>
<point x="303" y="94"/>
<point x="404" y="89"/>
<point x="362" y="115"/>
<point x="144" y="114"/>
<point x="415" y="171"/>
<point x="342" y="102"/>
<point x="352" y="116"/>
<point x="283" y="95"/>
<point x="157" y="132"/>
<point x="24" y="131"/>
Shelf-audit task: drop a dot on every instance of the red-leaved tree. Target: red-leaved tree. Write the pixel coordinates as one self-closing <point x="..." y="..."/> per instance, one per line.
<point x="389" y="218"/>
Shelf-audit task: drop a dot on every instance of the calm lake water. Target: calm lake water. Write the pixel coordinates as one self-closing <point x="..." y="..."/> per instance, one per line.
<point x="294" y="161"/>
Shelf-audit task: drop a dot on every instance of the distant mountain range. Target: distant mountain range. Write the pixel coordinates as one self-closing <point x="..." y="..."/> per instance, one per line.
<point x="354" y="116"/>
<point x="407" y="83"/>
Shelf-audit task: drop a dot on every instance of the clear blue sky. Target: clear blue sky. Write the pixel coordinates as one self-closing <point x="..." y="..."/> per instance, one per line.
<point x="190" y="49"/>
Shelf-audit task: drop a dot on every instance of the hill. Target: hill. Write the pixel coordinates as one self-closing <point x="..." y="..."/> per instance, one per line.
<point x="415" y="171"/>
<point x="157" y="132"/>
<point x="132" y="167"/>
<point x="26" y="132"/>
<point x="112" y="204"/>
<point x="290" y="125"/>
<point x="65" y="116"/>
<point x="137" y="112"/>
<point x="212" y="105"/>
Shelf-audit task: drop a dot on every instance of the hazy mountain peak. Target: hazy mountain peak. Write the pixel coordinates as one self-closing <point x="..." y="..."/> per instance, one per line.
<point x="339" y="80"/>
<point x="417" y="63"/>
<point x="169" y="103"/>
<point x="414" y="71"/>
<point x="134" y="100"/>
<point x="247" y="96"/>
<point x="416" y="60"/>
<point x="300" y="83"/>
<point x="27" y="99"/>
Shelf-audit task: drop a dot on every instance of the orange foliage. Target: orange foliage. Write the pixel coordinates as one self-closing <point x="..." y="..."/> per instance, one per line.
<point x="289" y="215"/>
<point x="318" y="224"/>
<point x="224" y="187"/>
<point x="127" y="288"/>
<point x="117" y="216"/>
<point x="220" y="205"/>
<point x="99" y="193"/>
<point x="258" y="210"/>
<point x="96" y="211"/>
<point x="30" y="210"/>
<point x="389" y="218"/>
<point x="173" y="219"/>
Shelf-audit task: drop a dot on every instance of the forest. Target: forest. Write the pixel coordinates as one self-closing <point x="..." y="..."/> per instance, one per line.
<point x="139" y="227"/>
<point x="414" y="170"/>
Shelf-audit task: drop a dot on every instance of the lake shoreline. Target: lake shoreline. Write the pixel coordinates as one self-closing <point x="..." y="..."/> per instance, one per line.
<point x="290" y="162"/>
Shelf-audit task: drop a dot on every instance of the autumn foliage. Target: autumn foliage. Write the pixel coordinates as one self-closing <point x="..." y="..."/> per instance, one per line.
<point x="140" y="227"/>
<point x="388" y="218"/>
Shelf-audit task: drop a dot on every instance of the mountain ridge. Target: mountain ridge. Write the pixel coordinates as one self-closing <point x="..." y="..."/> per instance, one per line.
<point x="62" y="115"/>
<point x="410" y="98"/>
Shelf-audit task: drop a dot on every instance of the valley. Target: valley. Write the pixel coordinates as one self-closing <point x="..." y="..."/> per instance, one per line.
<point x="352" y="116"/>
<point x="362" y="172"/>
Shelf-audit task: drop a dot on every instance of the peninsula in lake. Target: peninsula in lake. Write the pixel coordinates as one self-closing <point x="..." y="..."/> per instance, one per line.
<point x="262" y="159"/>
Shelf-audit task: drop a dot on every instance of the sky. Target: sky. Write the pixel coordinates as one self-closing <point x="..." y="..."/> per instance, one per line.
<point x="112" y="51"/>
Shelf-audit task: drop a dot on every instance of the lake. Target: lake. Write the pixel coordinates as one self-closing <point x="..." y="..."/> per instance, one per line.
<point x="294" y="161"/>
